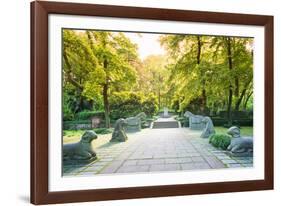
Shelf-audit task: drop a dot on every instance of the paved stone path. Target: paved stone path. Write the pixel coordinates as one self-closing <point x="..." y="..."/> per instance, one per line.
<point x="154" y="150"/>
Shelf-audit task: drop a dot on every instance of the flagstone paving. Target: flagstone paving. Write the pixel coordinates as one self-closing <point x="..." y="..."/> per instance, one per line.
<point x="155" y="150"/>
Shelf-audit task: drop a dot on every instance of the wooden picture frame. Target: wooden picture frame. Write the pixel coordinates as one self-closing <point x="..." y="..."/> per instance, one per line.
<point x="40" y="107"/>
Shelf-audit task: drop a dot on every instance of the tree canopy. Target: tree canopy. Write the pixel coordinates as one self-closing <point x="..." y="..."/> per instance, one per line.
<point x="102" y="71"/>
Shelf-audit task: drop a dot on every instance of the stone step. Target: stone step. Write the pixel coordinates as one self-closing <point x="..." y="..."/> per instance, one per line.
<point x="168" y="124"/>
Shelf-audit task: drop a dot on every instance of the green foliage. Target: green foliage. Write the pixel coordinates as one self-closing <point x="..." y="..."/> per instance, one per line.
<point x="95" y="62"/>
<point x="73" y="133"/>
<point x="67" y="112"/>
<point x="128" y="104"/>
<point x="152" y="78"/>
<point x="194" y="75"/>
<point x="149" y="105"/>
<point x="220" y="141"/>
<point x="71" y="125"/>
<point x="103" y="130"/>
<point x="125" y="104"/>
<point x="183" y="120"/>
<point x="86" y="115"/>
<point x="217" y="121"/>
<point x="245" y="131"/>
<point x="79" y="133"/>
<point x="199" y="68"/>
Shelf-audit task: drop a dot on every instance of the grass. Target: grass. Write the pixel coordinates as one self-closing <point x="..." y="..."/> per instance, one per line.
<point x="245" y="131"/>
<point x="70" y="136"/>
<point x="71" y="133"/>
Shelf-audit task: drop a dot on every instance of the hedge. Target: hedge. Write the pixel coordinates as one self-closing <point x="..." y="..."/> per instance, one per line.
<point x="221" y="141"/>
<point x="219" y="122"/>
<point x="238" y="122"/>
<point x="86" y="115"/>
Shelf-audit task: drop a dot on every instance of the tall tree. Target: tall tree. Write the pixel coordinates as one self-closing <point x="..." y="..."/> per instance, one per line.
<point x="97" y="62"/>
<point x="214" y="71"/>
<point x="155" y="76"/>
<point x="115" y="53"/>
<point x="189" y="59"/>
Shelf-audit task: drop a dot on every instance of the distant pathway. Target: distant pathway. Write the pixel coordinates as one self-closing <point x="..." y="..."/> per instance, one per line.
<point x="154" y="150"/>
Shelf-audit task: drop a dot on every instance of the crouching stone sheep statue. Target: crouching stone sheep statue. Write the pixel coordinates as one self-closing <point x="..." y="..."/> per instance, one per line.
<point x="239" y="144"/>
<point x="209" y="128"/>
<point x="119" y="134"/>
<point x="81" y="150"/>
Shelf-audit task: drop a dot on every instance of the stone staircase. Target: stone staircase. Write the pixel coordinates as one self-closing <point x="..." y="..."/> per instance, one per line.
<point x="162" y="123"/>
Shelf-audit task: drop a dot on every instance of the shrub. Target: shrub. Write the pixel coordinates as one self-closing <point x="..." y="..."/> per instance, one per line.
<point x="124" y="104"/>
<point x="217" y="121"/>
<point x="102" y="130"/>
<point x="67" y="113"/>
<point x="220" y="141"/>
<point x="183" y="120"/>
<point x="86" y="115"/>
<point x="72" y="125"/>
<point x="128" y="104"/>
<point x="149" y="105"/>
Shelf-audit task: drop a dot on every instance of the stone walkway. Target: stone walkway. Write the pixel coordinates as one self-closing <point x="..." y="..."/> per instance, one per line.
<point x="154" y="150"/>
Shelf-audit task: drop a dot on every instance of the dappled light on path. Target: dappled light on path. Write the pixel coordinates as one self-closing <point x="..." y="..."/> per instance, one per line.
<point x="152" y="150"/>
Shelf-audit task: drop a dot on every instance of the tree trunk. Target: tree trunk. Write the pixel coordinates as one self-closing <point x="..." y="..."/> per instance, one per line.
<point x="230" y="92"/>
<point x="106" y="105"/>
<point x="105" y="98"/>
<point x="229" y="111"/>
<point x="204" y="96"/>
<point x="236" y="86"/>
<point x="159" y="91"/>
<point x="68" y="73"/>
<point x="204" y="101"/>
<point x="239" y="100"/>
<point x="246" y="101"/>
<point x="199" y="45"/>
<point x="159" y="98"/>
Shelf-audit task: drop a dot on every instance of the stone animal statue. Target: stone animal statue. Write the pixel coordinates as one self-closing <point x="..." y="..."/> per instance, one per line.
<point x="239" y="144"/>
<point x="81" y="150"/>
<point x="195" y="121"/>
<point x="119" y="134"/>
<point x="141" y="116"/>
<point x="134" y="123"/>
<point x="209" y="128"/>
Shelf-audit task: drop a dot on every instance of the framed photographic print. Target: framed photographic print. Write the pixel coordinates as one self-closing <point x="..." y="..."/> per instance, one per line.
<point x="131" y="102"/>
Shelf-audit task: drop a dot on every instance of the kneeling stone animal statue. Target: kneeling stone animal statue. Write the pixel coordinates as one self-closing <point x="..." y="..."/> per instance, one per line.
<point x="209" y="128"/>
<point x="119" y="134"/>
<point x="81" y="150"/>
<point x="239" y="144"/>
